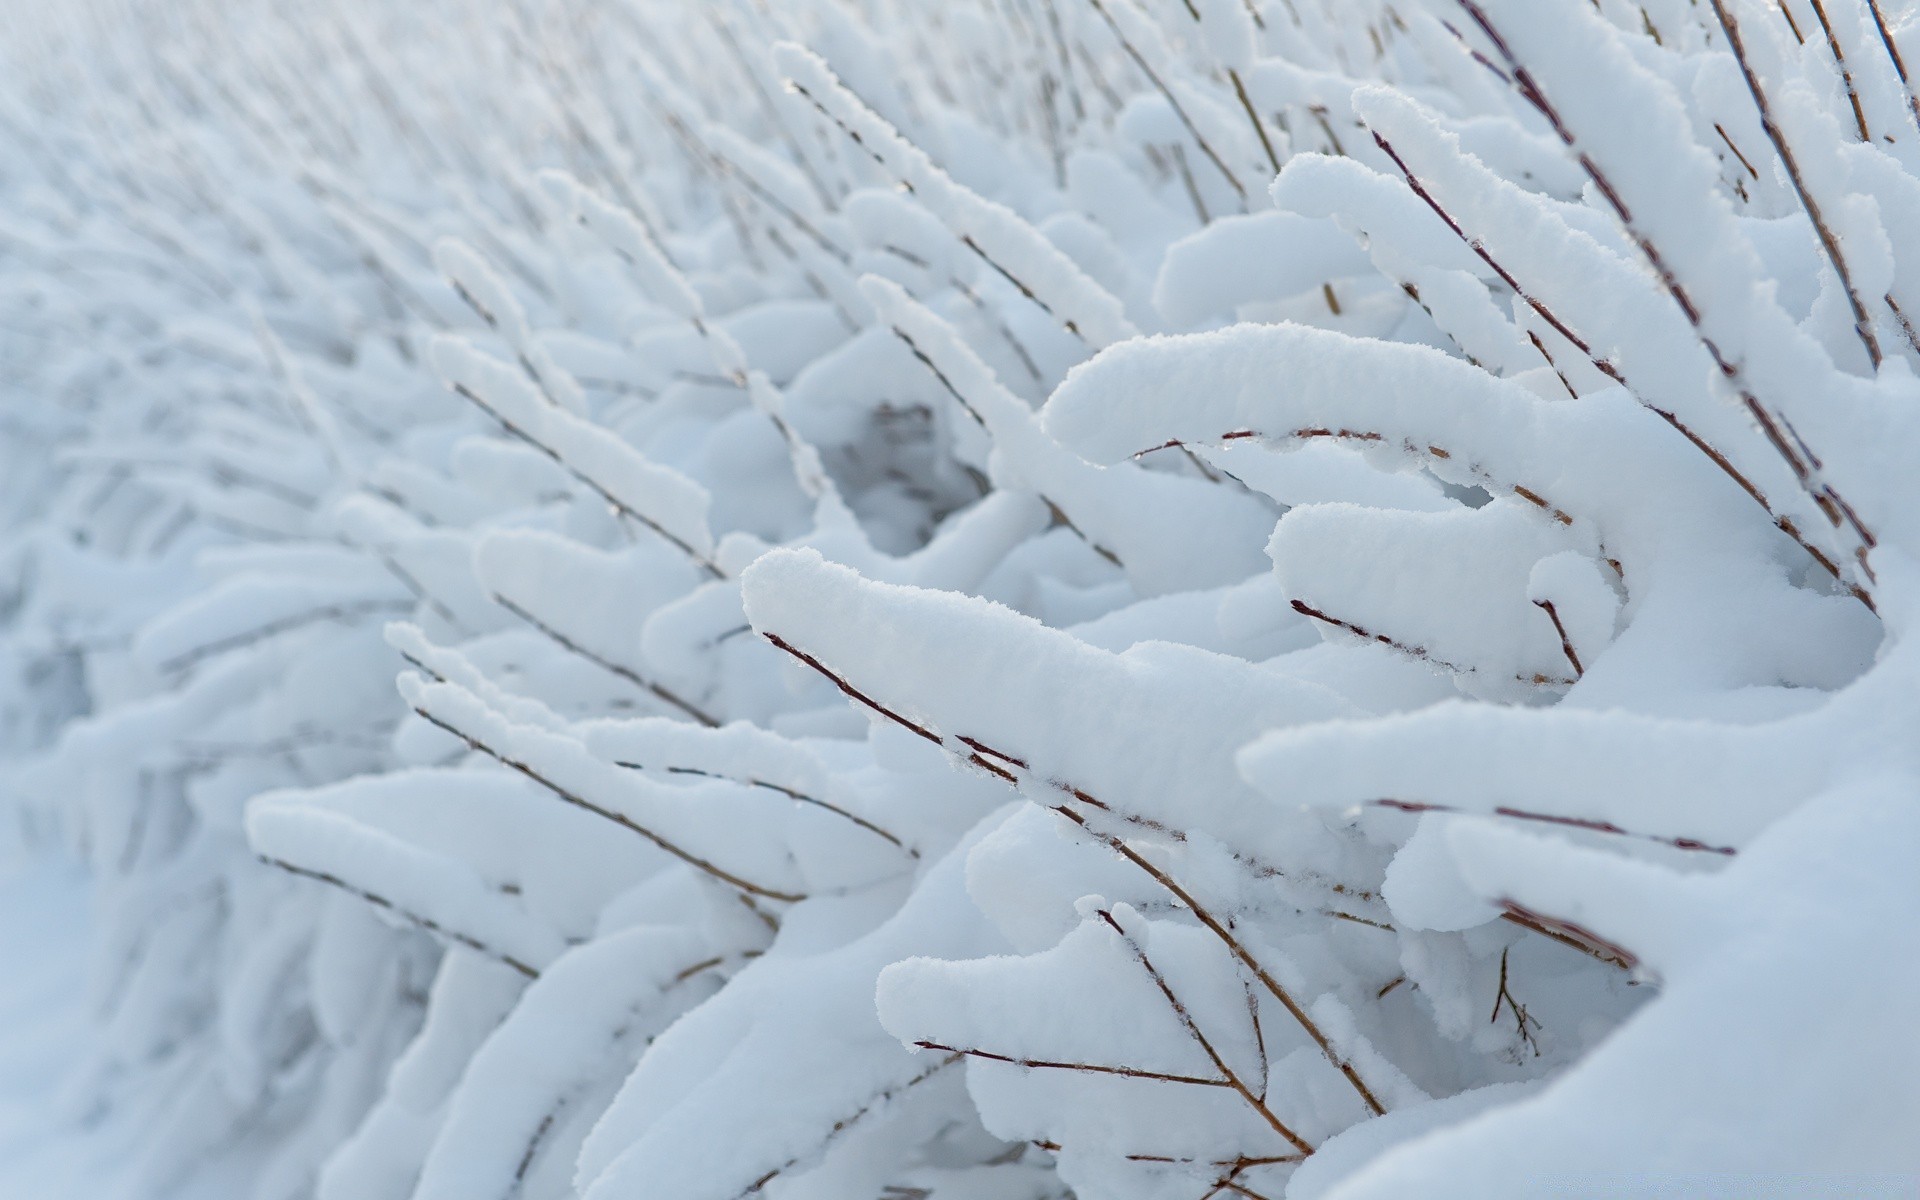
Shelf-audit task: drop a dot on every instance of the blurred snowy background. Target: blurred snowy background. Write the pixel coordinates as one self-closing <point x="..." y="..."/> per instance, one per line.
<point x="1136" y="599"/>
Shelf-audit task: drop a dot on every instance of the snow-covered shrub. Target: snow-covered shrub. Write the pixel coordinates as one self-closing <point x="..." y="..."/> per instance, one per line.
<point x="1011" y="598"/>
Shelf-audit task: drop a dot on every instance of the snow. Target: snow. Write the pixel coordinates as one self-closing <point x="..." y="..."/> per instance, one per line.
<point x="1836" y="860"/>
<point x="944" y="601"/>
<point x="51" y="1148"/>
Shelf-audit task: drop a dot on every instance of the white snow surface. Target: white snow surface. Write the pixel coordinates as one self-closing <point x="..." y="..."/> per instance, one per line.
<point x="979" y="600"/>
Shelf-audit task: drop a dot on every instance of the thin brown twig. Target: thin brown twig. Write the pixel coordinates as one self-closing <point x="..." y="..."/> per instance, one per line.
<point x="966" y="239"/>
<point x="1570" y="934"/>
<point x="1893" y="53"/>
<point x="1503" y="997"/>
<point x="1840" y="64"/>
<point x="1566" y="643"/>
<point x="1089" y="1068"/>
<point x="1822" y="495"/>
<point x="622" y="507"/>
<point x="1369" y="437"/>
<point x="1166" y="93"/>
<point x="845" y="1123"/>
<point x="412" y="918"/>
<point x="332" y="612"/>
<point x="791" y="794"/>
<point x="1590" y="824"/>
<point x="1862" y="324"/>
<point x="1420" y="653"/>
<point x="1200" y="1038"/>
<point x="1721" y="130"/>
<point x="966" y="406"/>
<point x="973" y="751"/>
<point x="620" y="819"/>
<point x="658" y="691"/>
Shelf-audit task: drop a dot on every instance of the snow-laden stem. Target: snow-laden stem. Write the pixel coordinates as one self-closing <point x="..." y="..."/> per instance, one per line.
<point x="749" y="889"/>
<point x="1254" y="1100"/>
<point x="412" y="918"/>
<point x="1003" y="766"/>
<point x="657" y="690"/>
<point x="1829" y="243"/>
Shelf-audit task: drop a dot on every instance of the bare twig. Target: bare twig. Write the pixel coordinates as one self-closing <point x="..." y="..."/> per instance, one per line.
<point x="1893" y="53"/>
<point x="1840" y="64"/>
<point x="1504" y="998"/>
<point x="1038" y="1064"/>
<point x="620" y="506"/>
<point x="1590" y="824"/>
<point x="620" y="819"/>
<point x="1416" y="652"/>
<point x="1566" y="643"/>
<point x="847" y="1122"/>
<point x="344" y="613"/>
<point x="791" y="794"/>
<point x="1003" y="766"/>
<point x="1821" y="494"/>
<point x="656" y="690"/>
<point x="412" y="918"/>
<point x="1862" y="324"/>
<point x="1179" y="110"/>
<point x="1200" y="1039"/>
<point x="1569" y="934"/>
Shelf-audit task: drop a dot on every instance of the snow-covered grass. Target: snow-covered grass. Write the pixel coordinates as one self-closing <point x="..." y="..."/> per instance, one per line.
<point x="1007" y="598"/>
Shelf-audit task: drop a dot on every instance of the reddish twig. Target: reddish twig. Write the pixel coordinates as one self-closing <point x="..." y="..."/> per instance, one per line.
<point x="658" y="691"/>
<point x="1567" y="933"/>
<point x="412" y="918"/>
<point x="1200" y="1039"/>
<point x="1089" y="1068"/>
<point x="1566" y="643"/>
<point x="1862" y="324"/>
<point x="1589" y="824"/>
<point x="620" y="819"/>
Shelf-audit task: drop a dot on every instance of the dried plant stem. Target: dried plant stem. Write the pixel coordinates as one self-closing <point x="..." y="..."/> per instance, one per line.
<point x="973" y="751"/>
<point x="411" y="582"/>
<point x="847" y="1122"/>
<point x="1752" y="173"/>
<point x="789" y="793"/>
<point x="1179" y="110"/>
<point x="1862" y="324"/>
<point x="412" y="918"/>
<point x="1779" y="432"/>
<point x="333" y="612"/>
<point x="723" y="26"/>
<point x="947" y="384"/>
<point x="727" y="168"/>
<point x="1239" y="950"/>
<point x="656" y="690"/>
<point x="1768" y="424"/>
<point x="1566" y="643"/>
<point x="619" y="1034"/>
<point x="746" y="886"/>
<point x="1521" y="491"/>
<point x="1253" y="116"/>
<point x="493" y="322"/>
<point x="620" y="506"/>
<point x="1893" y="54"/>
<point x="1420" y="653"/>
<point x="1185" y="1017"/>
<point x="966" y="239"/>
<point x="1503" y="997"/>
<point x="1570" y="934"/>
<point x="1589" y="824"/>
<point x="1840" y="64"/>
<point x="1039" y="1064"/>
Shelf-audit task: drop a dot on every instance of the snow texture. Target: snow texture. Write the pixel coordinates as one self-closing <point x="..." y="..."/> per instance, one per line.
<point x="959" y="601"/>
